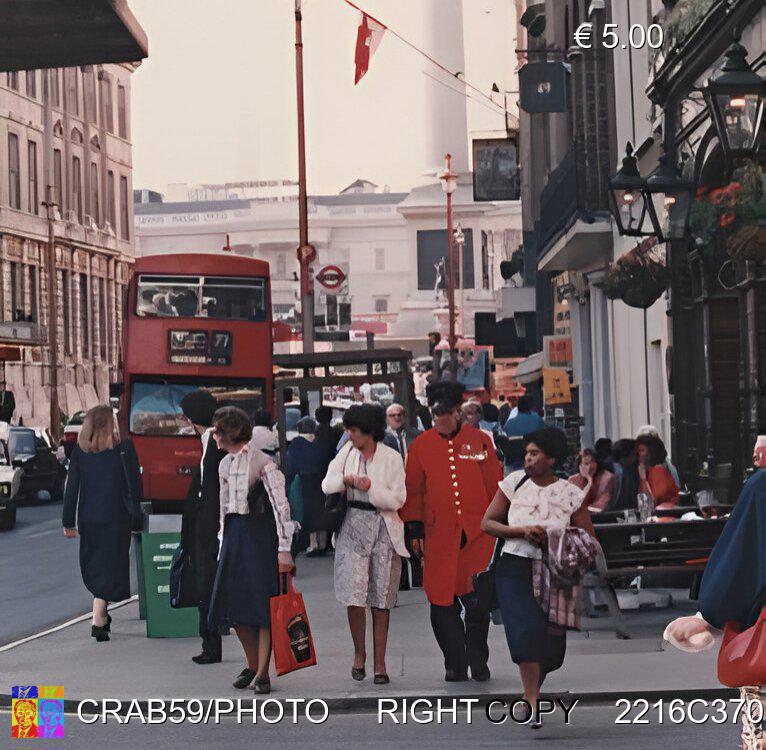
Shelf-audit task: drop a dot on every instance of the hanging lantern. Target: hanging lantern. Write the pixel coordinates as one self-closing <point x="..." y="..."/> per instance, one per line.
<point x="669" y="200"/>
<point x="629" y="203"/>
<point x="734" y="96"/>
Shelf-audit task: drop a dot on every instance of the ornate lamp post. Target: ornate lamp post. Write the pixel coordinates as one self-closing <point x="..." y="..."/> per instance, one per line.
<point x="734" y="96"/>
<point x="630" y="205"/>
<point x="449" y="185"/>
<point x="669" y="200"/>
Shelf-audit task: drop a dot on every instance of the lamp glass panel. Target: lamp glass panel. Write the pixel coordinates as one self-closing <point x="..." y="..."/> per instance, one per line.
<point x="672" y="210"/>
<point x="741" y="115"/>
<point x="632" y="207"/>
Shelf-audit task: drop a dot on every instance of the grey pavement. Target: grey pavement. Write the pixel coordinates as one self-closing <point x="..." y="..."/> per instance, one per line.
<point x="598" y="665"/>
<point x="40" y="583"/>
<point x="591" y="727"/>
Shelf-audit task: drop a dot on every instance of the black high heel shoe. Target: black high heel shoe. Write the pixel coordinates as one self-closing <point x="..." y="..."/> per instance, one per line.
<point x="108" y="626"/>
<point x="99" y="632"/>
<point x="245" y="677"/>
<point x="262" y="685"/>
<point x="358" y="673"/>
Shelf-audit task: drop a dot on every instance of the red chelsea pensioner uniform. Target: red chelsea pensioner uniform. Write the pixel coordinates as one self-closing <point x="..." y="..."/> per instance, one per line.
<point x="450" y="483"/>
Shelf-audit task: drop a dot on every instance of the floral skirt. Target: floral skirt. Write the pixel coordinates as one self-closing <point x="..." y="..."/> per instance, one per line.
<point x="753" y="718"/>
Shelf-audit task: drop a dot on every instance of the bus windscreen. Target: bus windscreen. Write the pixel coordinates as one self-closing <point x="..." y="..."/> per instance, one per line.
<point x="155" y="406"/>
<point x="217" y="297"/>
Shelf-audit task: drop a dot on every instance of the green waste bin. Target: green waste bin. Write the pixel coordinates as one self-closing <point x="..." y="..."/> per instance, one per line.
<point x="162" y="621"/>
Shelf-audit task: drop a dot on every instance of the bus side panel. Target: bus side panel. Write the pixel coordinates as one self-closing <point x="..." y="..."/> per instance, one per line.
<point x="167" y="464"/>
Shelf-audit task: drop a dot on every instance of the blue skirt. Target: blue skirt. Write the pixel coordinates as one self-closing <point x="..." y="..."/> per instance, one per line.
<point x="531" y="638"/>
<point x="247" y="575"/>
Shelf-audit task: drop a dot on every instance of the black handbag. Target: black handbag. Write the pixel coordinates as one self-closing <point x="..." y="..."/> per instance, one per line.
<point x="484" y="582"/>
<point x="183" y="585"/>
<point x="336" y="505"/>
<point x="135" y="516"/>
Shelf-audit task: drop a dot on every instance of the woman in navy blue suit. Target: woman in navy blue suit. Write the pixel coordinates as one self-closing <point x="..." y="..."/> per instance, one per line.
<point x="103" y="479"/>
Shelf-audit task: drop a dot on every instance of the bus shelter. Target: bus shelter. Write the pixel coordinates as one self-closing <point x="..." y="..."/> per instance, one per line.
<point x="311" y="373"/>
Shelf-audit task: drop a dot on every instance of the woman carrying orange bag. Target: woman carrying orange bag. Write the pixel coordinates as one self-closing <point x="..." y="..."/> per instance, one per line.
<point x="732" y="597"/>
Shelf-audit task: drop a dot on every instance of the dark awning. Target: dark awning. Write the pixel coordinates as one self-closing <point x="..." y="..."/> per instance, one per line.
<point x="62" y="33"/>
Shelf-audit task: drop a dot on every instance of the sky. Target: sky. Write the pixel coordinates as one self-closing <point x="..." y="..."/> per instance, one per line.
<point x="215" y="100"/>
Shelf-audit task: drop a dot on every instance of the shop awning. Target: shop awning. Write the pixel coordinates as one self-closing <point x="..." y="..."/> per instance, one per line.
<point x="54" y="34"/>
<point x="530" y="370"/>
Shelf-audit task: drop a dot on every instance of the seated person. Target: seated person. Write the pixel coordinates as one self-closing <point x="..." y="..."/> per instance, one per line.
<point x="653" y="477"/>
<point x="602" y="487"/>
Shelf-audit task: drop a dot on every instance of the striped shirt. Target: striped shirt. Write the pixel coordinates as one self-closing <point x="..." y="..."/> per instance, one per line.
<point x="238" y="472"/>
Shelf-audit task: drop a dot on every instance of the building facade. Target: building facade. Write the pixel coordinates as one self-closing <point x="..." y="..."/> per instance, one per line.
<point x="691" y="363"/>
<point x="64" y="138"/>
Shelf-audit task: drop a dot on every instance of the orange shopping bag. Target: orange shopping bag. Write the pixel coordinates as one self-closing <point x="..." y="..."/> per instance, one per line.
<point x="290" y="630"/>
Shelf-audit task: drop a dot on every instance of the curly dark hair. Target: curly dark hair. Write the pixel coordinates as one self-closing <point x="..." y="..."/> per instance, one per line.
<point x="368" y="418"/>
<point x="445" y="392"/>
<point x="656" y="448"/>
<point x="232" y="424"/>
<point x="550" y="440"/>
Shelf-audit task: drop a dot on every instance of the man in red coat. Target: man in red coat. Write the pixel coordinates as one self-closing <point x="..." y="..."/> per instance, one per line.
<point x="452" y="476"/>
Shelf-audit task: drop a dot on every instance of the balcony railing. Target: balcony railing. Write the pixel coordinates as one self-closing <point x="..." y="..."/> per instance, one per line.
<point x="559" y="201"/>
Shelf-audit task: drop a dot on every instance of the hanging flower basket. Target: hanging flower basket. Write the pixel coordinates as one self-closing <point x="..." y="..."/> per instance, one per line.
<point x="639" y="277"/>
<point x="733" y="213"/>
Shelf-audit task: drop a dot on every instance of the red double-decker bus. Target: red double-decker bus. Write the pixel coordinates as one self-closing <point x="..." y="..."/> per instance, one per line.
<point x="193" y="321"/>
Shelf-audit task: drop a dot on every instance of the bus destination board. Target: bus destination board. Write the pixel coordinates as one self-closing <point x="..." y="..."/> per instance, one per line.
<point x="200" y="347"/>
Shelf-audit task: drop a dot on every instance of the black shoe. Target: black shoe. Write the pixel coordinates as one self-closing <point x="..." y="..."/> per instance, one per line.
<point x="358" y="673"/>
<point x="381" y="679"/>
<point x="245" y="677"/>
<point x="452" y="676"/>
<point x="317" y="552"/>
<point x="480" y="675"/>
<point x="207" y="658"/>
<point x="262" y="685"/>
<point x="108" y="626"/>
<point x="99" y="632"/>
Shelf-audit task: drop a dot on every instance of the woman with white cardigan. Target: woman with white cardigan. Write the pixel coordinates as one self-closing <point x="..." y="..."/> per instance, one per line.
<point x="370" y="542"/>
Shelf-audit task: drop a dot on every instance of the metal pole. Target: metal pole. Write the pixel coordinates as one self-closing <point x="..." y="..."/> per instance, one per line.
<point x="55" y="415"/>
<point x="304" y="250"/>
<point x="451" y="284"/>
<point x="646" y="368"/>
<point x="462" y="288"/>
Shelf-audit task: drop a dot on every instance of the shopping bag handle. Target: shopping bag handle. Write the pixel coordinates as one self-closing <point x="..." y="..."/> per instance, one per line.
<point x="285" y="583"/>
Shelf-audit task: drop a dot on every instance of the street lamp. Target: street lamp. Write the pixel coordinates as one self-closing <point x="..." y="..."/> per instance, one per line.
<point x="630" y="205"/>
<point x="669" y="200"/>
<point x="449" y="185"/>
<point x="734" y="96"/>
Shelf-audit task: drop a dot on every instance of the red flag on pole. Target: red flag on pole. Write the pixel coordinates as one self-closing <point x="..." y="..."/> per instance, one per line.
<point x="368" y="38"/>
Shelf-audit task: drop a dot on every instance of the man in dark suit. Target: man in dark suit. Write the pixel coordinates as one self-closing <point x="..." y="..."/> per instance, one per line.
<point x="397" y="428"/>
<point x="400" y="436"/>
<point x="201" y="520"/>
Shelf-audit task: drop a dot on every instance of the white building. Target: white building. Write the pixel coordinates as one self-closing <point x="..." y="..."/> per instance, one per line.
<point x="388" y="242"/>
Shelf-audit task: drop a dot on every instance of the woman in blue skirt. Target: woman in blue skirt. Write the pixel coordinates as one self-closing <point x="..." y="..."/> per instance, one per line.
<point x="257" y="535"/>
<point x="527" y="505"/>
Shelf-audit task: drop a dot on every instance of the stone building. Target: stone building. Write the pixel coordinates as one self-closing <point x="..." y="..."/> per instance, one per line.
<point x="68" y="129"/>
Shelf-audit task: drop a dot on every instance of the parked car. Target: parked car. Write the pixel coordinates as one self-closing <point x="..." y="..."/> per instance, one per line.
<point x="30" y="449"/>
<point x="71" y="431"/>
<point x="10" y="482"/>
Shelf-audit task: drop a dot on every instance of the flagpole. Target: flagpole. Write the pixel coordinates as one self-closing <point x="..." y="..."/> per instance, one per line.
<point x="306" y="252"/>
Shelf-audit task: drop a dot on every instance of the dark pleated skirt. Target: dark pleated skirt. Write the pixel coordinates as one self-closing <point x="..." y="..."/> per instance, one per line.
<point x="531" y="638"/>
<point x="105" y="559"/>
<point x="247" y="575"/>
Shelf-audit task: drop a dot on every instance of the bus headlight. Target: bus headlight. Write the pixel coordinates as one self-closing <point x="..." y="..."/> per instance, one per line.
<point x="5" y="489"/>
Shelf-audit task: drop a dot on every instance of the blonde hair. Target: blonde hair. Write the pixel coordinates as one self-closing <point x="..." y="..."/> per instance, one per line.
<point x="99" y="430"/>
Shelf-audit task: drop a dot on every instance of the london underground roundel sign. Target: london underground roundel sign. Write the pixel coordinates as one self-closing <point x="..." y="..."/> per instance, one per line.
<point x="331" y="277"/>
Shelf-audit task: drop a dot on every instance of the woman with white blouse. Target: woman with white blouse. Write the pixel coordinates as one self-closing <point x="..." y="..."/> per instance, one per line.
<point x="257" y="535"/>
<point x="370" y="542"/>
<point x="527" y="505"/>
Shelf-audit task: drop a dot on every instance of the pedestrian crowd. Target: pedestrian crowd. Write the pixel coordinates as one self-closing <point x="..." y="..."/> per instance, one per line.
<point x="474" y="498"/>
